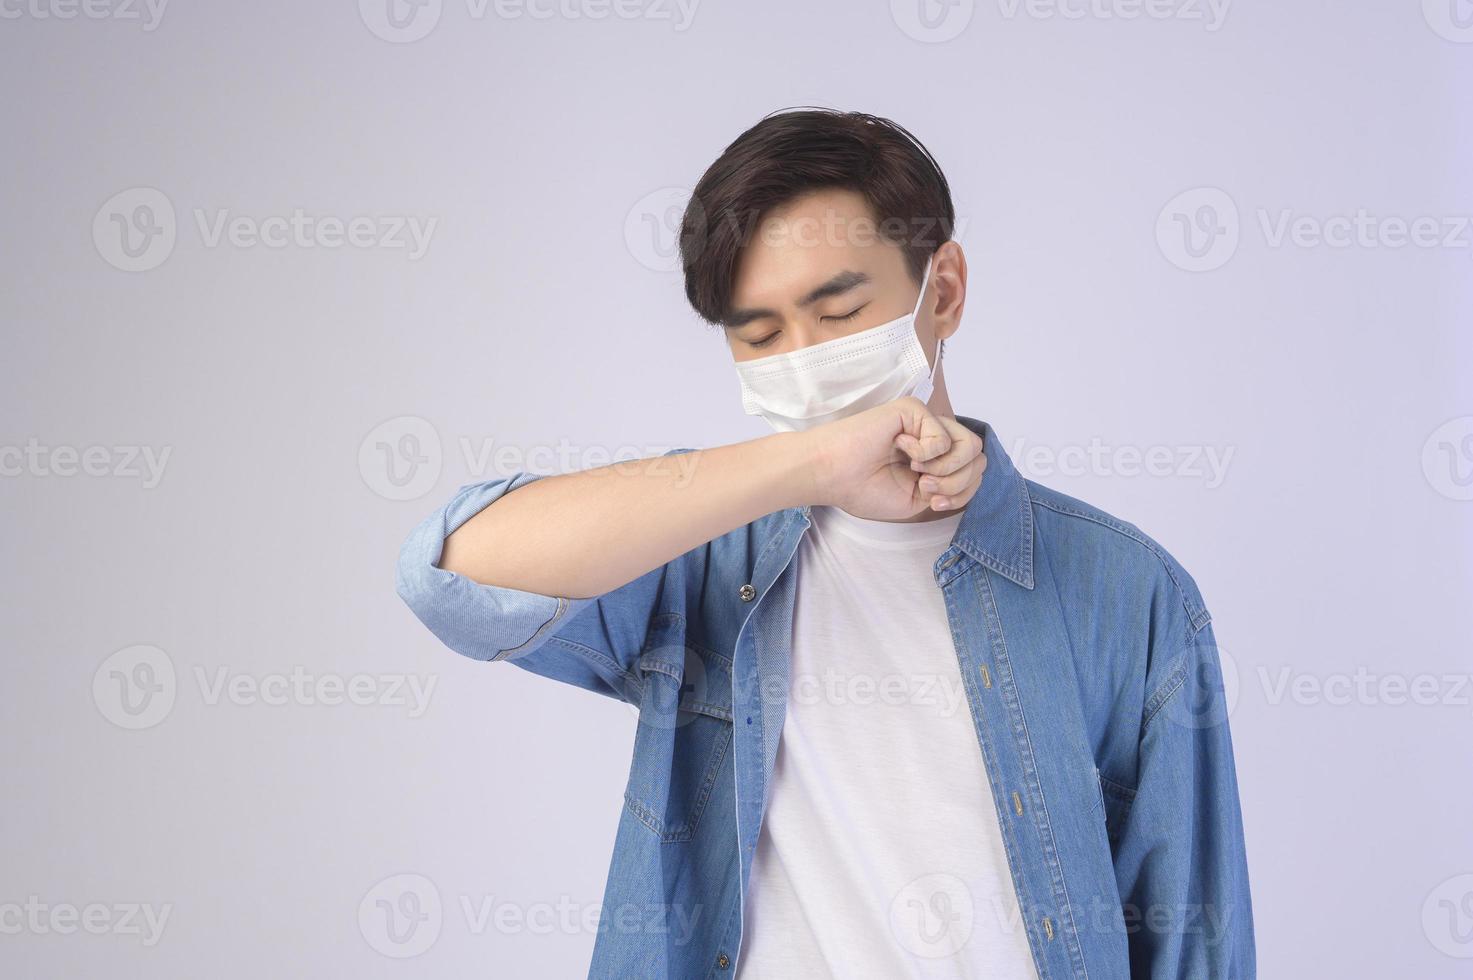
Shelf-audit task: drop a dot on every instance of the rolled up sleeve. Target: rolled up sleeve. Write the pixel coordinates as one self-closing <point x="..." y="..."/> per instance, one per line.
<point x="483" y="622"/>
<point x="590" y="642"/>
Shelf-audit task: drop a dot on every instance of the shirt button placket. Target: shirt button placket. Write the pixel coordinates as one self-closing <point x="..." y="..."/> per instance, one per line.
<point x="986" y="675"/>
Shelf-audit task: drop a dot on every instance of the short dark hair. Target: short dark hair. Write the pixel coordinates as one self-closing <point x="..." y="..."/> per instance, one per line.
<point x="791" y="152"/>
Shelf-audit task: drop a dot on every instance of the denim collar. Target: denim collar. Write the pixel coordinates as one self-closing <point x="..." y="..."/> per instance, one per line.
<point x="997" y="525"/>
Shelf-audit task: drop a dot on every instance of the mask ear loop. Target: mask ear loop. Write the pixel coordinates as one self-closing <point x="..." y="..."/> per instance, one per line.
<point x="926" y="383"/>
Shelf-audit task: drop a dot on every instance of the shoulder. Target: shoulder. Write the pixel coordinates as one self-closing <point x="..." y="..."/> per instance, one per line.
<point x="1086" y="544"/>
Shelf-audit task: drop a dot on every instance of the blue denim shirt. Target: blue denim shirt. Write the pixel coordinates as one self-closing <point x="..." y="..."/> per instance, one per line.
<point x="1092" y="675"/>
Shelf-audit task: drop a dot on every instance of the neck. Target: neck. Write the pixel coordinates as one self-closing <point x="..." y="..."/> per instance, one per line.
<point x="940" y="403"/>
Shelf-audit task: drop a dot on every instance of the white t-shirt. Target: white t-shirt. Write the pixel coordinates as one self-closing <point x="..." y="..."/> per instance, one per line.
<point x="880" y="854"/>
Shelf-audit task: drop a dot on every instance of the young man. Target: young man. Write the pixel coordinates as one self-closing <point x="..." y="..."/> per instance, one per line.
<point x="896" y="719"/>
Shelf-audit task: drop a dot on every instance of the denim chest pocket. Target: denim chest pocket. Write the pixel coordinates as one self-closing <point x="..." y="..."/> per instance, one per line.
<point x="685" y="730"/>
<point x="1113" y="802"/>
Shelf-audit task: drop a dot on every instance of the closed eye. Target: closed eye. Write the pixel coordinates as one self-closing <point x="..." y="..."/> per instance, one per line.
<point x="765" y="340"/>
<point x="847" y="316"/>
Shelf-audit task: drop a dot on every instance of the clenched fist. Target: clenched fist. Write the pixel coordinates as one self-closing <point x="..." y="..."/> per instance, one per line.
<point x="895" y="460"/>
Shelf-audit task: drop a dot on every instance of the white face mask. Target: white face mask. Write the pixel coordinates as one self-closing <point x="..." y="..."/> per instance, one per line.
<point x="822" y="382"/>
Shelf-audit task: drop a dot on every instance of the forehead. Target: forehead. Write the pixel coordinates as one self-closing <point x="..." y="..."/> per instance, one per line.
<point x="806" y="241"/>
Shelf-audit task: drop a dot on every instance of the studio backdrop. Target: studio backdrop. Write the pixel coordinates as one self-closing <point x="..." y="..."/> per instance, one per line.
<point x="278" y="278"/>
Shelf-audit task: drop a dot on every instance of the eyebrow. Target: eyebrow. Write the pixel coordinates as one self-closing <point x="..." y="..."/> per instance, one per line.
<point x="839" y="283"/>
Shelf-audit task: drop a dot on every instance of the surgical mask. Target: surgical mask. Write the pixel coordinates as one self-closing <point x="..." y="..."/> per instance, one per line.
<point x="823" y="382"/>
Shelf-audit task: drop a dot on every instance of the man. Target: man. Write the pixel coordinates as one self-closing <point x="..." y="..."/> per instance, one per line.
<point x="896" y="719"/>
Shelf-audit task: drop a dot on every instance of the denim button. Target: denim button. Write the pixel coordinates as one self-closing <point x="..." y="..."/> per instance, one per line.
<point x="747" y="592"/>
<point x="722" y="961"/>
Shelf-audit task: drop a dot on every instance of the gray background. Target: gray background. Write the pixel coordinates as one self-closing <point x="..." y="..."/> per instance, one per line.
<point x="545" y="321"/>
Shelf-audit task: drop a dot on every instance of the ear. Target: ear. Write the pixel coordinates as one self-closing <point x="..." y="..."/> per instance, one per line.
<point x="949" y="273"/>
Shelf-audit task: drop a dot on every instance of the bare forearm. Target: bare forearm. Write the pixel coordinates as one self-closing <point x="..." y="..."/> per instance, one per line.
<point x="586" y="533"/>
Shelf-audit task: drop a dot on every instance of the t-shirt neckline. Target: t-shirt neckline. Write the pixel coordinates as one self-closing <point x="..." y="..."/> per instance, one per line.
<point x="899" y="534"/>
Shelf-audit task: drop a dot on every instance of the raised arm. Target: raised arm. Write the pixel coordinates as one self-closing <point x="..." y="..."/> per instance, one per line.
<point x="585" y="533"/>
<point x="582" y="534"/>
